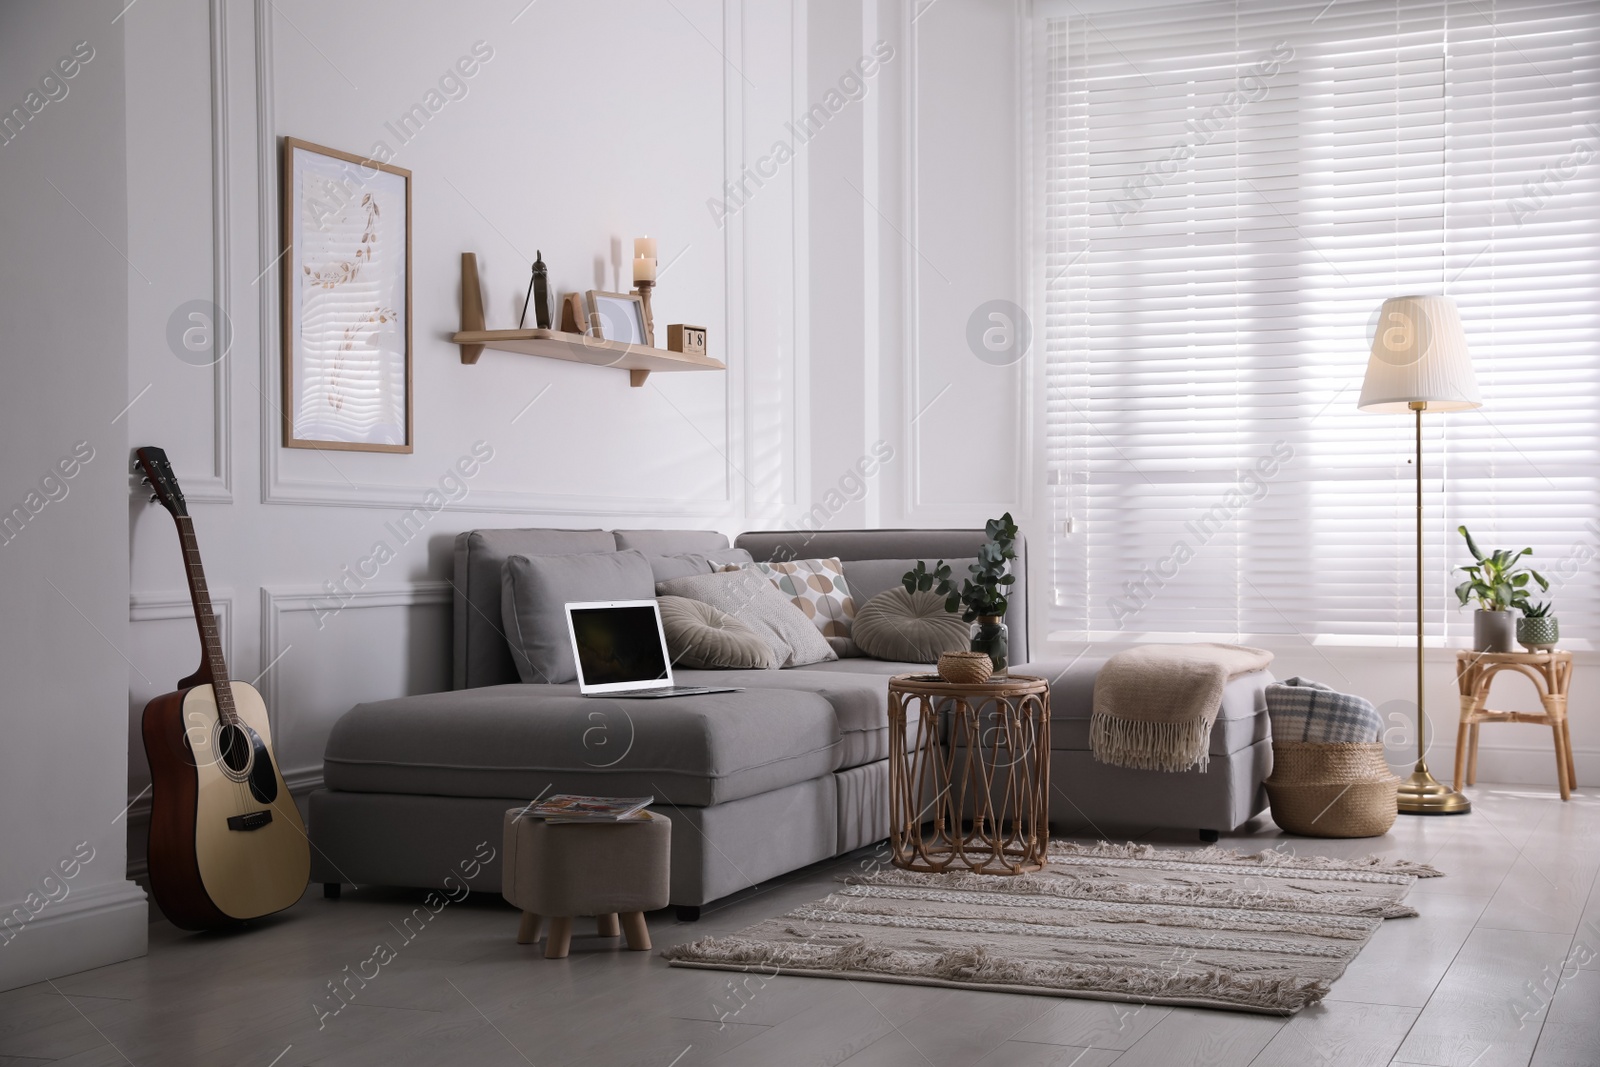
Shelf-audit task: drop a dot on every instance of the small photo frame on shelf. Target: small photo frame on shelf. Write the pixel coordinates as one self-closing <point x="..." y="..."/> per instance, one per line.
<point x="346" y="301"/>
<point x="617" y="317"/>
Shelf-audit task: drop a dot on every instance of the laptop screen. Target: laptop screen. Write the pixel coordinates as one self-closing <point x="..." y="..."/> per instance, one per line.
<point x="618" y="644"/>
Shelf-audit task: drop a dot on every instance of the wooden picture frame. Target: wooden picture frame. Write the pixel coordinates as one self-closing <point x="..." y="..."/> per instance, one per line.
<point x="625" y="312"/>
<point x="347" y="271"/>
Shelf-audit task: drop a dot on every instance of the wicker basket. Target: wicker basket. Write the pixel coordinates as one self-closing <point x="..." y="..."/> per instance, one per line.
<point x="1331" y="790"/>
<point x="965" y="668"/>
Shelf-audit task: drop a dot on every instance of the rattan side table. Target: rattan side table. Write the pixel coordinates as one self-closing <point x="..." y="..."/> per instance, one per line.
<point x="972" y="788"/>
<point x="1551" y="674"/>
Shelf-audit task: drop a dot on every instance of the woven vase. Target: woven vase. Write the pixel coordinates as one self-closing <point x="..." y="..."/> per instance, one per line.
<point x="965" y="668"/>
<point x="1343" y="790"/>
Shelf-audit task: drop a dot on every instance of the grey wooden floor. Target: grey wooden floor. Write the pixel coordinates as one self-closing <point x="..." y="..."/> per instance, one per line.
<point x="1460" y="985"/>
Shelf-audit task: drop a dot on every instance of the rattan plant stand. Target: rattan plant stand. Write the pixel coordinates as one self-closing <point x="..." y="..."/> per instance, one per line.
<point x="1551" y="675"/>
<point x="971" y="788"/>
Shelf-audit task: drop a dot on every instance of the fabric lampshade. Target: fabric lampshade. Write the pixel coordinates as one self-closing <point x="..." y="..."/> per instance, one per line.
<point x="1419" y="353"/>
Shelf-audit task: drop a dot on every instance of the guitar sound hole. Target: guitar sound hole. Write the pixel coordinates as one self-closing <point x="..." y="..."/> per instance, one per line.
<point x="234" y="745"/>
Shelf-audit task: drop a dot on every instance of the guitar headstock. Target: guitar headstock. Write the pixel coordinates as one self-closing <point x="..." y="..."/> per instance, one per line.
<point x="158" y="473"/>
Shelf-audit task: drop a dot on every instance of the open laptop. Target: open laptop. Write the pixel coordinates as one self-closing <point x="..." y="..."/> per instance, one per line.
<point x="621" y="651"/>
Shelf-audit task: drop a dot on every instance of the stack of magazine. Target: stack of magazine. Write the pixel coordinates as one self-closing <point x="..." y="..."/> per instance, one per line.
<point x="569" y="807"/>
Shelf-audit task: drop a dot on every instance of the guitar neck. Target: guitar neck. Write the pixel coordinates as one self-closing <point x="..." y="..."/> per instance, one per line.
<point x="206" y="620"/>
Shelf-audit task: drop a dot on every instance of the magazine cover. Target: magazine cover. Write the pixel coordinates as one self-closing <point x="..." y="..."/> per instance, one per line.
<point x="571" y="807"/>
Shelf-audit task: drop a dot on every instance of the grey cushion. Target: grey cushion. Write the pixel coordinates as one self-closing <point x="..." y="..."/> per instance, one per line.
<point x="482" y="655"/>
<point x="930" y="545"/>
<point x="860" y="704"/>
<point x="533" y="603"/>
<point x="521" y="740"/>
<point x="1242" y="720"/>
<point x="863" y="665"/>
<point x="669" y="542"/>
<point x="908" y="627"/>
<point x="749" y="597"/>
<point x="869" y="577"/>
<point x="700" y="636"/>
<point x="684" y="564"/>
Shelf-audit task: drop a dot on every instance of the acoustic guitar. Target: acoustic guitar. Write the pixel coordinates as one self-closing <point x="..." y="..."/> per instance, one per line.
<point x="226" y="841"/>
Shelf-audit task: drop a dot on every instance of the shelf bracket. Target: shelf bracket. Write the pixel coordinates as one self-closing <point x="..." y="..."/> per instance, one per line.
<point x="636" y="377"/>
<point x="471" y="304"/>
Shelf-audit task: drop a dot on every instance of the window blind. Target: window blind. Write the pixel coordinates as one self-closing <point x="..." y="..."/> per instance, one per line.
<point x="1230" y="192"/>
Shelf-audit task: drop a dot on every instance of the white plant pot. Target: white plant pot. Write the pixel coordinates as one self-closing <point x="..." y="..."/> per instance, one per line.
<point x="1494" y="631"/>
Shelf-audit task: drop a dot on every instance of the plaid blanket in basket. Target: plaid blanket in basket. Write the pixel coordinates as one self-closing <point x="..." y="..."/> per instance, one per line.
<point x="1303" y="710"/>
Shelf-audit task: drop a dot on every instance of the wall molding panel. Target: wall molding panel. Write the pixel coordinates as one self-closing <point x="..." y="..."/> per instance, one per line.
<point x="217" y="487"/>
<point x="342" y="492"/>
<point x="166" y="607"/>
<point x="281" y="601"/>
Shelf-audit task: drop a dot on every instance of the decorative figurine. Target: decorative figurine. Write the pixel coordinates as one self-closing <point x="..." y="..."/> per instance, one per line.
<point x="538" y="294"/>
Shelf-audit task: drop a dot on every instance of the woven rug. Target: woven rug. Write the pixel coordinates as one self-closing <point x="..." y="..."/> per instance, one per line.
<point x="1208" y="928"/>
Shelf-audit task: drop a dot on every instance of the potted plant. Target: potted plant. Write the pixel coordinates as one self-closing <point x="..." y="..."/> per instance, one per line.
<point x="982" y="598"/>
<point x="1537" y="629"/>
<point x="1499" y="584"/>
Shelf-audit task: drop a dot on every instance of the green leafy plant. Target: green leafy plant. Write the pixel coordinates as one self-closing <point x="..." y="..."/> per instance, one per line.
<point x="1496" y="581"/>
<point x="983" y="594"/>
<point x="1536" y="611"/>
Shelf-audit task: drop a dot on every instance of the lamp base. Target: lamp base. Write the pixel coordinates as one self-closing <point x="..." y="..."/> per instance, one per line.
<point x="1422" y="794"/>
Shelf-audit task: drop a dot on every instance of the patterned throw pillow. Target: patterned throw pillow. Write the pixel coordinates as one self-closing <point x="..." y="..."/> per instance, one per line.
<point x="818" y="588"/>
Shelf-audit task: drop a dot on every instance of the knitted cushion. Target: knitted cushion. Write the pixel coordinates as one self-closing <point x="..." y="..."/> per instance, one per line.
<point x="908" y="627"/>
<point x="756" y="602"/>
<point x="700" y="636"/>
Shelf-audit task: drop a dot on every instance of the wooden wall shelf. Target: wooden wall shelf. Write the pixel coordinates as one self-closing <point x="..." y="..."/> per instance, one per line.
<point x="637" y="360"/>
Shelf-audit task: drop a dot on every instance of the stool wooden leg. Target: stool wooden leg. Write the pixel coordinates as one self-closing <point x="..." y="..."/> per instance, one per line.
<point x="638" y="933"/>
<point x="1461" y="755"/>
<point x="607" y="926"/>
<point x="1472" y="757"/>
<point x="555" y="947"/>
<point x="1561" y="763"/>
<point x="528" y="929"/>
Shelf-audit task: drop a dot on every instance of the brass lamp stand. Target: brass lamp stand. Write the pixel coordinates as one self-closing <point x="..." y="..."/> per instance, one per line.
<point x="1422" y="793"/>
<point x="1420" y="363"/>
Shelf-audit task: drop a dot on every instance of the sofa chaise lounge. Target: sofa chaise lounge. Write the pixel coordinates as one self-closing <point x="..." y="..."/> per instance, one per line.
<point x="790" y="771"/>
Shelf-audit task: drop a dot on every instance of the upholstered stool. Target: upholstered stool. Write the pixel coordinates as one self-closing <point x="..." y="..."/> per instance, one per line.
<point x="565" y="870"/>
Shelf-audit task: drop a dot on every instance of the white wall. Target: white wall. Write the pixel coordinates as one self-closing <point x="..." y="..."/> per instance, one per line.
<point x="65" y="903"/>
<point x="590" y="124"/>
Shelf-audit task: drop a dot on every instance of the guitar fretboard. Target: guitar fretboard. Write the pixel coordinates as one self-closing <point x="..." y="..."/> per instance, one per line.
<point x="206" y="619"/>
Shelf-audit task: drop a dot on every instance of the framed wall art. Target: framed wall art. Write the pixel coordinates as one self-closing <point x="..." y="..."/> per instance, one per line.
<point x="346" y="298"/>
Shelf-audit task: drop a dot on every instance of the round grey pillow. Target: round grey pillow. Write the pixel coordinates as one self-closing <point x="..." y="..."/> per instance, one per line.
<point x="701" y="636"/>
<point x="908" y="627"/>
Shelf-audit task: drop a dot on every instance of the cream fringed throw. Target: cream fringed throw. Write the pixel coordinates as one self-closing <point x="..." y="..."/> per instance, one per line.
<point x="1154" y="705"/>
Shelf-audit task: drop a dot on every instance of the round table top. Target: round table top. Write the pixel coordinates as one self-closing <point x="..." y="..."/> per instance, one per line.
<point x="931" y="684"/>
<point x="1512" y="657"/>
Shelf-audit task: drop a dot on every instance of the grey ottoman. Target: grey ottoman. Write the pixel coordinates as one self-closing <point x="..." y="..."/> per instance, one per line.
<point x="570" y="869"/>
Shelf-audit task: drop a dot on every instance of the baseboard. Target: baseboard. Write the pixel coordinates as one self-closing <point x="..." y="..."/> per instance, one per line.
<point x="1522" y="766"/>
<point x="91" y="927"/>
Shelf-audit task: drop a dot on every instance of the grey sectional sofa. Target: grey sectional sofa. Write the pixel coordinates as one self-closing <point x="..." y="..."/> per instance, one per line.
<point x="790" y="771"/>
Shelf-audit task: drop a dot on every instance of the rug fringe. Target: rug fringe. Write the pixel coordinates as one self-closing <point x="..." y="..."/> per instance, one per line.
<point x="976" y="965"/>
<point x="1269" y="858"/>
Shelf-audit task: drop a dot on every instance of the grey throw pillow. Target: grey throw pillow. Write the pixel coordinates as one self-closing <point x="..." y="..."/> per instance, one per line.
<point x="756" y="602"/>
<point x="908" y="627"/>
<point x="534" y="593"/>
<point x="700" y="636"/>
<point x="684" y="564"/>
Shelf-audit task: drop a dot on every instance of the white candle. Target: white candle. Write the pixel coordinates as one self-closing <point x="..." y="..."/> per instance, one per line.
<point x="644" y="269"/>
<point x="644" y="248"/>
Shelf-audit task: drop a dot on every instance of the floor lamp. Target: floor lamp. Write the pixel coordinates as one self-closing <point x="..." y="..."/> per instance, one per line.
<point x="1420" y="363"/>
